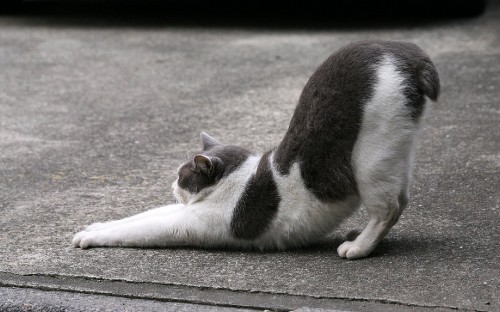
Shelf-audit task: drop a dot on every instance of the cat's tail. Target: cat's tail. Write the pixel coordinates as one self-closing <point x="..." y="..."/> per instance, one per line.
<point x="429" y="80"/>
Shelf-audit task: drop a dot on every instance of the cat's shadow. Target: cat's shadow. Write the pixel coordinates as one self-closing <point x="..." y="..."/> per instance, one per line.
<point x="400" y="246"/>
<point x="390" y="246"/>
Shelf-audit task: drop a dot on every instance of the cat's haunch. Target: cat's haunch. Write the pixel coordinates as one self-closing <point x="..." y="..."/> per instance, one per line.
<point x="350" y="142"/>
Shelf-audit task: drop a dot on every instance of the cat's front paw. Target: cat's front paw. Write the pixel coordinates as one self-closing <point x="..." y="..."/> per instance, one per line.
<point x="84" y="240"/>
<point x="77" y="238"/>
<point x="351" y="250"/>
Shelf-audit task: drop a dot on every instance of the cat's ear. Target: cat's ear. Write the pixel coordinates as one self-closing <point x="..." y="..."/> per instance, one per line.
<point x="205" y="164"/>
<point x="208" y="142"/>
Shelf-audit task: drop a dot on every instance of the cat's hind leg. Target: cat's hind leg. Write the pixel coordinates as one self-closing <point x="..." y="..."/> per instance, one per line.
<point x="383" y="184"/>
<point x="384" y="201"/>
<point x="384" y="213"/>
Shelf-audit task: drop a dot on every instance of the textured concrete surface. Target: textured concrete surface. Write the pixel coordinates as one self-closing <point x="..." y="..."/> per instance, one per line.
<point x="96" y="115"/>
<point x="22" y="299"/>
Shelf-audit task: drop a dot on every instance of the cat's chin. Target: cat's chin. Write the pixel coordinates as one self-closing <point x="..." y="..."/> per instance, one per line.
<point x="179" y="199"/>
<point x="181" y="196"/>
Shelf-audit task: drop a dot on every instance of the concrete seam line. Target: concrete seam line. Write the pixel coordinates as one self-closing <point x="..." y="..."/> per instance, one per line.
<point x="57" y="283"/>
<point x="100" y="293"/>
<point x="41" y="306"/>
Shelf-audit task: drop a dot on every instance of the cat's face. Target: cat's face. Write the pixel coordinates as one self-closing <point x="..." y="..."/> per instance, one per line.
<point x="198" y="177"/>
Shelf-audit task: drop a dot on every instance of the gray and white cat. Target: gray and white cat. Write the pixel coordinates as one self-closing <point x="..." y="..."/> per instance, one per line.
<point x="350" y="142"/>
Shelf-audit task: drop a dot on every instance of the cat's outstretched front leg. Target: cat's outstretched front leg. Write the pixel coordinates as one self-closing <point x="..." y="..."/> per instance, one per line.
<point x="156" y="212"/>
<point x="193" y="225"/>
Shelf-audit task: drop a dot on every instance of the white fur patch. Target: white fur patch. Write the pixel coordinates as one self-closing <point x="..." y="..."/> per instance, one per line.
<point x="382" y="159"/>
<point x="381" y="154"/>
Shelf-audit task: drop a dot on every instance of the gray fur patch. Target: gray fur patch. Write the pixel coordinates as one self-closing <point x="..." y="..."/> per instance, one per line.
<point x="258" y="204"/>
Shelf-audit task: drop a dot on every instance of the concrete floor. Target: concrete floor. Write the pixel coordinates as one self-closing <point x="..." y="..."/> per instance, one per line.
<point x="97" y="114"/>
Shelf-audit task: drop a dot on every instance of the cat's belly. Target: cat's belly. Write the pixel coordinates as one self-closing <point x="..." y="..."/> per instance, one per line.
<point x="302" y="218"/>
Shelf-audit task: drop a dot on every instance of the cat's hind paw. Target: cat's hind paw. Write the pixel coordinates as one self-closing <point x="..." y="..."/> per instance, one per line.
<point x="351" y="251"/>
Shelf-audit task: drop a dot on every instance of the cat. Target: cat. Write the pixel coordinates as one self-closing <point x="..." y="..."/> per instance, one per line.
<point x="350" y="142"/>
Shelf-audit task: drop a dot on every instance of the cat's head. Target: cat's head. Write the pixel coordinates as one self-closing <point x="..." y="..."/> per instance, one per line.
<point x="198" y="177"/>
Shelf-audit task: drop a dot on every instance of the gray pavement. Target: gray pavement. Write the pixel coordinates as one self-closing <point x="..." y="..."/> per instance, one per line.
<point x="95" y="118"/>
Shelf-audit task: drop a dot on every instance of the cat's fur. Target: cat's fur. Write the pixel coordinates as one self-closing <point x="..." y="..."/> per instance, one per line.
<point x="350" y="142"/>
